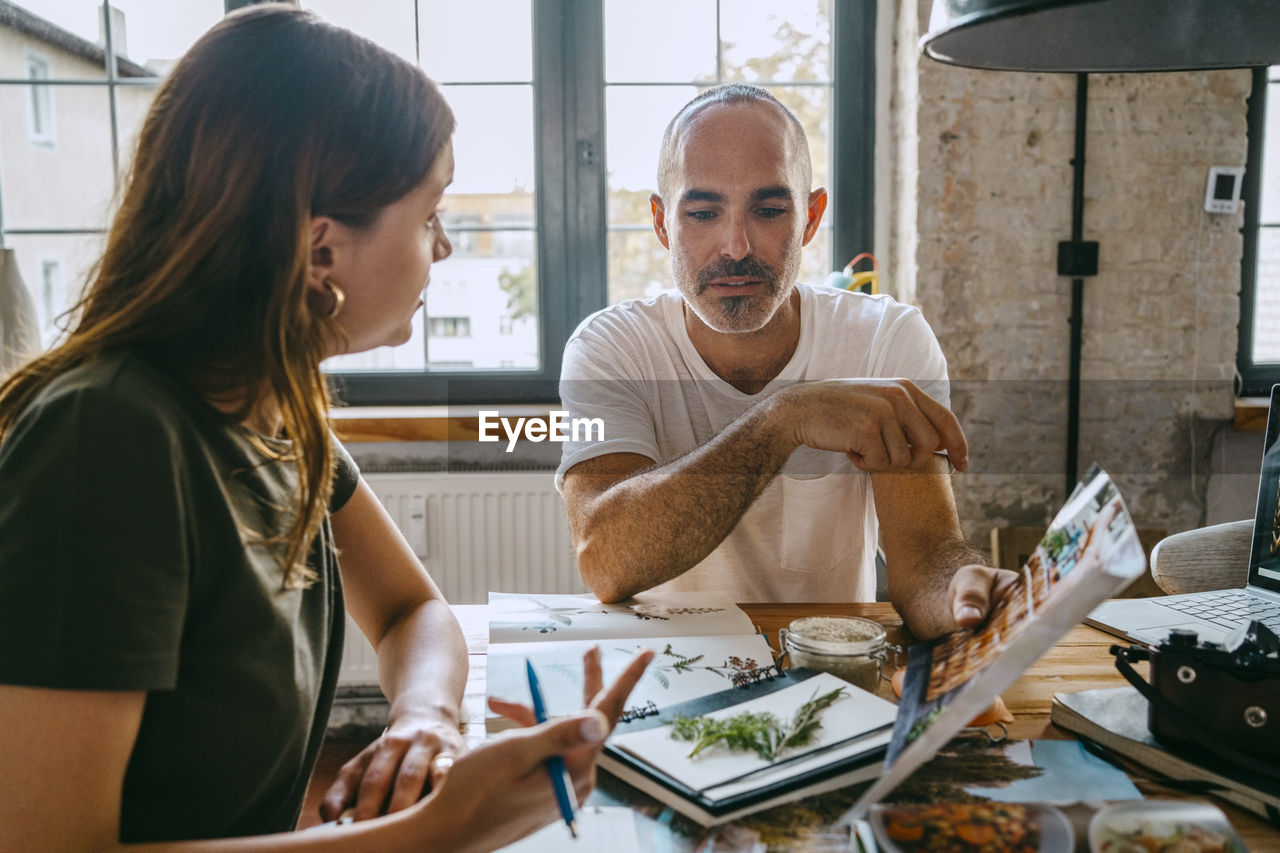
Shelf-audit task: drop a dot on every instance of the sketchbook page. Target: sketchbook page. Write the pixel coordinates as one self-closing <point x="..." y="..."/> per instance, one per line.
<point x="1090" y="551"/>
<point x="855" y="713"/>
<point x="531" y="617"/>
<point x="611" y="828"/>
<point x="683" y="668"/>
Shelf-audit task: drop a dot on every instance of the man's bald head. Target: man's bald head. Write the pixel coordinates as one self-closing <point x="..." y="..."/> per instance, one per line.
<point x="726" y="95"/>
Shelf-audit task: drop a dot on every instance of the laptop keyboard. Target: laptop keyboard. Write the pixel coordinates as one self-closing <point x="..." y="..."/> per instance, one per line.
<point x="1227" y="608"/>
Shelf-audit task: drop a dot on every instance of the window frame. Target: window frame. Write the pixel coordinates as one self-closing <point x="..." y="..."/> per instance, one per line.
<point x="1255" y="378"/>
<point x="571" y="206"/>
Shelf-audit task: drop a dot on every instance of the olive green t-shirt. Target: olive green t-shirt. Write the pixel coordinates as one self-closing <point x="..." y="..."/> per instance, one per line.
<point x="132" y="557"/>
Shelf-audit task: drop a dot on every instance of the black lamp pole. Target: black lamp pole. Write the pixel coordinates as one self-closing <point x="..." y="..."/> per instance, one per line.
<point x="1077" y="258"/>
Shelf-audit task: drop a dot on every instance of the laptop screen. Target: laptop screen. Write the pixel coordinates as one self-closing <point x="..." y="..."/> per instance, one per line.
<point x="1264" y="558"/>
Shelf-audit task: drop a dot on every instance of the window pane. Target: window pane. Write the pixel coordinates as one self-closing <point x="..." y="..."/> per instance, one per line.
<point x="1266" y="313"/>
<point x="635" y="118"/>
<point x="54" y="268"/>
<point x="387" y="22"/>
<point x="493" y="148"/>
<point x="1269" y="209"/>
<point x="639" y="266"/>
<point x="487" y="297"/>
<point x="476" y="42"/>
<point x="812" y="105"/>
<point x="765" y="41"/>
<point x="148" y="35"/>
<point x="132" y="104"/>
<point x="158" y="32"/>
<point x="660" y="41"/>
<point x="63" y="180"/>
<point x="815" y="260"/>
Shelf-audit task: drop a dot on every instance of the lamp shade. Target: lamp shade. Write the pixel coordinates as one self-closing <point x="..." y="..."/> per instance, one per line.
<point x="1104" y="35"/>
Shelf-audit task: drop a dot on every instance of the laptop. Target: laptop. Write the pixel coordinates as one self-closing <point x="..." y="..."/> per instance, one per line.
<point x="1213" y="615"/>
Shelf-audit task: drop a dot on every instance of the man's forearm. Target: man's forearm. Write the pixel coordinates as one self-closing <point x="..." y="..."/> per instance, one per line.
<point x="922" y="594"/>
<point x="422" y="662"/>
<point x="660" y="522"/>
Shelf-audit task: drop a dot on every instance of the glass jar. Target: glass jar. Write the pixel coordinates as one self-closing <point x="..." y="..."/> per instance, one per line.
<point x="848" y="647"/>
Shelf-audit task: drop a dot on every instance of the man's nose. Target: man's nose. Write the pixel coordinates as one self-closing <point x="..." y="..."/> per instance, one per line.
<point x="735" y="242"/>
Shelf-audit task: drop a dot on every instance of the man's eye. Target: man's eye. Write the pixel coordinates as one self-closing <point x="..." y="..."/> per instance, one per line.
<point x="771" y="212"/>
<point x="701" y="215"/>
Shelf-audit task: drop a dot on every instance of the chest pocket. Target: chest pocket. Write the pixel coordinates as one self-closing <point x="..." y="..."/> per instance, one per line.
<point x="821" y="520"/>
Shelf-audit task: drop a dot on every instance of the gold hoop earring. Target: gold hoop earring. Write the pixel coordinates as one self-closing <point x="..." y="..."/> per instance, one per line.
<point x="339" y="298"/>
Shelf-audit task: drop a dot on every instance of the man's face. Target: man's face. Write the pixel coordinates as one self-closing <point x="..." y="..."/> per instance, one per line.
<point x="735" y="215"/>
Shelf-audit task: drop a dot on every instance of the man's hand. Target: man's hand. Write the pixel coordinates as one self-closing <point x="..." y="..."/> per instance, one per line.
<point x="973" y="591"/>
<point x="396" y="770"/>
<point x="878" y="424"/>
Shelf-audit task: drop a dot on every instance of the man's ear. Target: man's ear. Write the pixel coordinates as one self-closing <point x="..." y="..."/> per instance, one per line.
<point x="817" y="206"/>
<point x="321" y="233"/>
<point x="659" y="219"/>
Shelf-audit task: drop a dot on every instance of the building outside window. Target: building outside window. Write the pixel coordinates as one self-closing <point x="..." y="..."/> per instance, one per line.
<point x="450" y="327"/>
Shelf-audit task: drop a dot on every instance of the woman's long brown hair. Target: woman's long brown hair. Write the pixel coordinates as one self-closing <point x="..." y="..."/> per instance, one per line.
<point x="272" y="117"/>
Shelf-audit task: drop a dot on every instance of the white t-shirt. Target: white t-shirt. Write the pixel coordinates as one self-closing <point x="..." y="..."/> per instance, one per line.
<point x="811" y="535"/>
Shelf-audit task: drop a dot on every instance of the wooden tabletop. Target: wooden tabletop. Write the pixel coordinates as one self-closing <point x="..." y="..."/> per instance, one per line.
<point x="1081" y="661"/>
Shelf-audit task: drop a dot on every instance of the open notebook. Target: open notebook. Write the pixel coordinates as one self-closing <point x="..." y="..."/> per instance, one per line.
<point x="721" y="784"/>
<point x="703" y="644"/>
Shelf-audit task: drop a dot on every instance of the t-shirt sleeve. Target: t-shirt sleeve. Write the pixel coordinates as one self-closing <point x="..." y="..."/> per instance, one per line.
<point x="94" y="548"/>
<point x="346" y="476"/>
<point x="910" y="350"/>
<point x="609" y="411"/>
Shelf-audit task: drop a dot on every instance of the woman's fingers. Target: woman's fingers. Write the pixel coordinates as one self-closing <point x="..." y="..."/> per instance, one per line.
<point x="614" y="699"/>
<point x="592" y="676"/>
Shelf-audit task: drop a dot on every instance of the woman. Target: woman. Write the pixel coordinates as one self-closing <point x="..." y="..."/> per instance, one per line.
<point x="172" y="503"/>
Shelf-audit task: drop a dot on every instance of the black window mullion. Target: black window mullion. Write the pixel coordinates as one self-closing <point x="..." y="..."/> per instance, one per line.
<point x="1254" y="378"/>
<point x="584" y="152"/>
<point x="853" y="121"/>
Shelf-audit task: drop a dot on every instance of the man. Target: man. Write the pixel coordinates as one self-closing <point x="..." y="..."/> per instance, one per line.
<point x="744" y="450"/>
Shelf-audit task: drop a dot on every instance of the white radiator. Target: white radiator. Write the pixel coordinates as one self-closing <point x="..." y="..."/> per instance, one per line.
<point x="474" y="532"/>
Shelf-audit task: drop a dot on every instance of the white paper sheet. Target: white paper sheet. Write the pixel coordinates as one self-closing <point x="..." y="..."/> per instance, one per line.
<point x="683" y="668"/>
<point x="531" y="617"/>
<point x="600" y="828"/>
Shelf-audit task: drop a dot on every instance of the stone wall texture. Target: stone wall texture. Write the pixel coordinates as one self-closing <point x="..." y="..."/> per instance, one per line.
<point x="983" y="178"/>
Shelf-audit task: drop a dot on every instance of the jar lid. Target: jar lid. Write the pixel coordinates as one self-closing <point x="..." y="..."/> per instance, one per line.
<point x="836" y="635"/>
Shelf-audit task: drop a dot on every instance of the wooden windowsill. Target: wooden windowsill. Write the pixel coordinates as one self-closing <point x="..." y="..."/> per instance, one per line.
<point x="422" y="423"/>
<point x="462" y="423"/>
<point x="1251" y="413"/>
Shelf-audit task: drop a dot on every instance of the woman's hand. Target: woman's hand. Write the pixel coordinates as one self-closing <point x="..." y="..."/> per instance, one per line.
<point x="396" y="770"/>
<point x="501" y="791"/>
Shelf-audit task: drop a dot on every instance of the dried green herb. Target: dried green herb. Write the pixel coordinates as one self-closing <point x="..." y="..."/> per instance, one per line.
<point x="759" y="732"/>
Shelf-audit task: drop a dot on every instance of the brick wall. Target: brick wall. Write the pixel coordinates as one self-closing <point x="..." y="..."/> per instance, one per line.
<point x="981" y="166"/>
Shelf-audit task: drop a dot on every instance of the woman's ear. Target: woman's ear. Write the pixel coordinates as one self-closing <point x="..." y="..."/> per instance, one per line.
<point x="321" y="236"/>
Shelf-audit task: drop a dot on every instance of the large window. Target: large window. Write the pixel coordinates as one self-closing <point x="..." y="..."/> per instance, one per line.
<point x="1259" y="357"/>
<point x="560" y="107"/>
<point x="560" y="114"/>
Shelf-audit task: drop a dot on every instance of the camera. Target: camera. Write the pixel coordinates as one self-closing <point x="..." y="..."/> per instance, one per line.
<point x="1214" y="699"/>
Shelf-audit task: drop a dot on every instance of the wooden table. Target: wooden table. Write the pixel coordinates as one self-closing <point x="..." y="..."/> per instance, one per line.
<point x="1079" y="662"/>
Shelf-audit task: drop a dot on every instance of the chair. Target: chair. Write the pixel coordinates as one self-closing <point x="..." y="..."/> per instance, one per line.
<point x="1215" y="557"/>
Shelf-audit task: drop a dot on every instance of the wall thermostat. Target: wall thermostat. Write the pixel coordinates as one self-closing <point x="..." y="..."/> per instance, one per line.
<point x="1222" y="191"/>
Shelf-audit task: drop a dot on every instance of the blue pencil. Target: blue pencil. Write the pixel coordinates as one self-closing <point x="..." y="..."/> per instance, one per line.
<point x="560" y="781"/>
